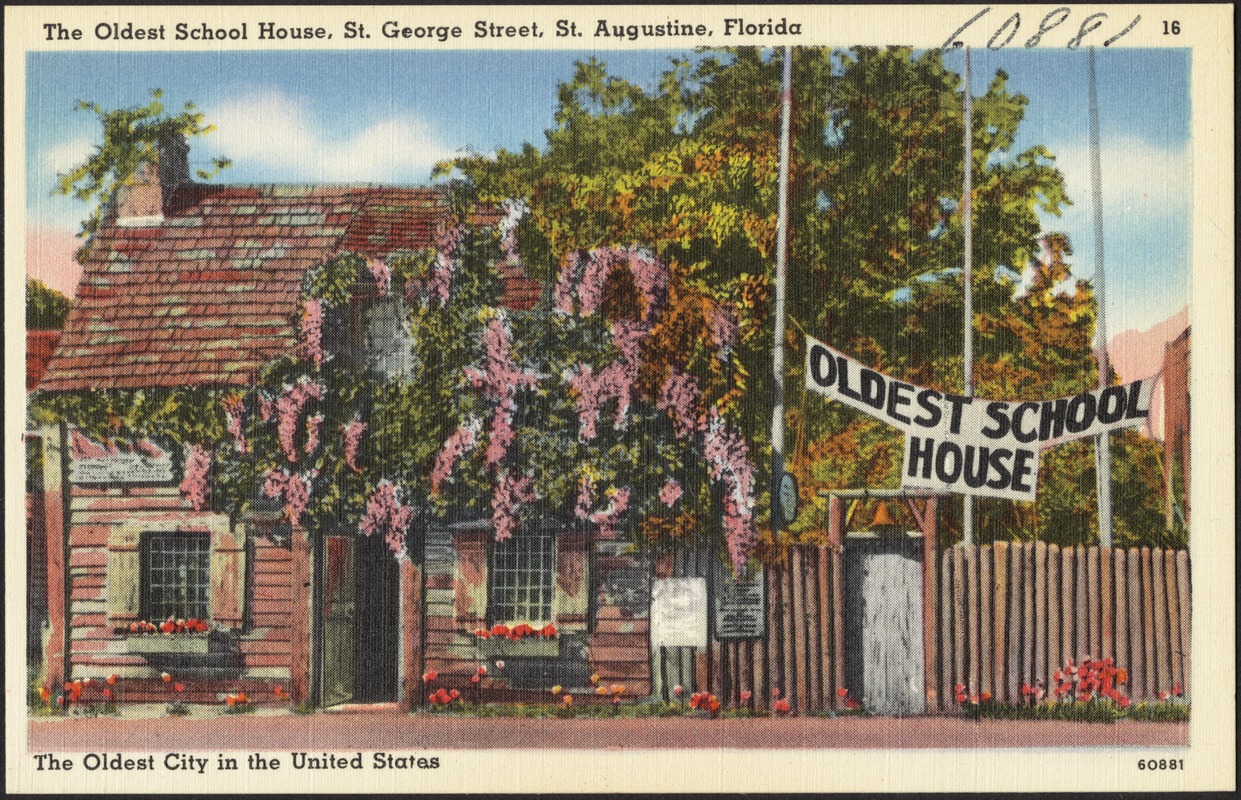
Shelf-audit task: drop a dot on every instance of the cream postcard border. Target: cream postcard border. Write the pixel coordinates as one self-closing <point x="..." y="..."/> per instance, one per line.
<point x="1209" y="759"/>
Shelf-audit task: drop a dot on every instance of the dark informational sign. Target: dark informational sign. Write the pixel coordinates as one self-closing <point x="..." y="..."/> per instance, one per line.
<point x="740" y="606"/>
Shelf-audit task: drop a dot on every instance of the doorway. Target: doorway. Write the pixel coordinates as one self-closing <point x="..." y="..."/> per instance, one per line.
<point x="361" y="621"/>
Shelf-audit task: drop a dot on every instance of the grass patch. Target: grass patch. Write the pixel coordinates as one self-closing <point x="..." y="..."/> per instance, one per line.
<point x="177" y="708"/>
<point x="1095" y="710"/>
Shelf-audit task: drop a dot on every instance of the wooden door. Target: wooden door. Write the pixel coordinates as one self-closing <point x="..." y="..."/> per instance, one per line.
<point x="883" y="622"/>
<point x="377" y="621"/>
<point x="338" y="621"/>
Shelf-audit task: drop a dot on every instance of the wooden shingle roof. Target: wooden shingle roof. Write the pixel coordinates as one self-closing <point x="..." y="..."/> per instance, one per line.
<point x="209" y="295"/>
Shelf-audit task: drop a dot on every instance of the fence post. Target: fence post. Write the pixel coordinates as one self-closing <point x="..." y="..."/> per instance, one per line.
<point x="930" y="653"/>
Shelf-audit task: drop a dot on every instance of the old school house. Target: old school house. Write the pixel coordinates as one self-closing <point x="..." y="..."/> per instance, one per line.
<point x="189" y="285"/>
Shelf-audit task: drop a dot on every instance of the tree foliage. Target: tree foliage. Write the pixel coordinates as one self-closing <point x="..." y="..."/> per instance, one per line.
<point x="130" y="138"/>
<point x="46" y="308"/>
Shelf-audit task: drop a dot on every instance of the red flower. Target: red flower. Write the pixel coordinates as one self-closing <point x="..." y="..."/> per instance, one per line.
<point x="852" y="704"/>
<point x="973" y="697"/>
<point x="113" y="677"/>
<point x="499" y="630"/>
<point x="167" y="626"/>
<point x="842" y="692"/>
<point x="482" y="670"/>
<point x="133" y="626"/>
<point x="1123" y="701"/>
<point x="1163" y="695"/>
<point x="454" y="694"/>
<point x="431" y="674"/>
<point x="475" y="678"/>
<point x="960" y="697"/>
<point x="746" y="695"/>
<point x="107" y="693"/>
<point x="549" y="630"/>
<point x="202" y="625"/>
<point x="985" y="695"/>
<point x="960" y="687"/>
<point x="781" y="706"/>
<point x="180" y="687"/>
<point x="693" y="701"/>
<point x="679" y="690"/>
<point x="1176" y="689"/>
<point x="482" y="633"/>
<point x="775" y="693"/>
<point x="431" y="696"/>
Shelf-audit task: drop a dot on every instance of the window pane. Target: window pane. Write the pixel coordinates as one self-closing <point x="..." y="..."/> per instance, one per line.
<point x="522" y="578"/>
<point x="176" y="571"/>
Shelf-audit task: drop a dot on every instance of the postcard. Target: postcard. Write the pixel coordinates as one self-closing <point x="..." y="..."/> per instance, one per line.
<point x="604" y="398"/>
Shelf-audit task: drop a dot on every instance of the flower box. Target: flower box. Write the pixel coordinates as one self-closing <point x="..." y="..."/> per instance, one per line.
<point x="159" y="643"/>
<point x="531" y="647"/>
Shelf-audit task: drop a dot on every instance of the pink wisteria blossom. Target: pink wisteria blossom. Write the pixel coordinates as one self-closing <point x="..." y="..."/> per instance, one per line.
<point x="382" y="274"/>
<point x="585" y="497"/>
<point x="722" y="328"/>
<point x="728" y="457"/>
<point x="387" y="514"/>
<point x="294" y="489"/>
<point x="312" y="330"/>
<point x="289" y="410"/>
<point x="650" y="275"/>
<point x="460" y="442"/>
<point x="564" y="286"/>
<point x="314" y="424"/>
<point x="197" y="473"/>
<point x="679" y="399"/>
<point x="670" y="493"/>
<point x="267" y="407"/>
<point x="499" y="378"/>
<point x="351" y="435"/>
<point x="235" y="409"/>
<point x="439" y="282"/>
<point x="607" y="518"/>
<point x="508" y="497"/>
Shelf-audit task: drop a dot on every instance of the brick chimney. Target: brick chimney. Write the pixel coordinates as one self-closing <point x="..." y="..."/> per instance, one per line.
<point x="142" y="201"/>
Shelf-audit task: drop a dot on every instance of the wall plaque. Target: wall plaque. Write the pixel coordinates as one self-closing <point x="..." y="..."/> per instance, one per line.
<point x="740" y="606"/>
<point x="679" y="612"/>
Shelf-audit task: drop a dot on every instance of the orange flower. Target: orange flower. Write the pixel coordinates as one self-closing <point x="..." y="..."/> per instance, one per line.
<point x="165" y="677"/>
<point x="549" y="630"/>
<point x="113" y="677"/>
<point x="616" y="687"/>
<point x="180" y="687"/>
<point x="594" y="678"/>
<point x="46" y="695"/>
<point x="604" y="689"/>
<point x="230" y="700"/>
<point x="568" y="700"/>
<point x="1121" y="675"/>
<point x="499" y="630"/>
<point x="241" y="697"/>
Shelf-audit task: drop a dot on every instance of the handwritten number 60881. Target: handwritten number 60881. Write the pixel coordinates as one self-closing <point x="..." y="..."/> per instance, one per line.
<point x="1007" y="31"/>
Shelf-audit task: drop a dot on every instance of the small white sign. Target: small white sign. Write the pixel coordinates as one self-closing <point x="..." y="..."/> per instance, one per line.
<point x="679" y="612"/>
<point x="117" y="461"/>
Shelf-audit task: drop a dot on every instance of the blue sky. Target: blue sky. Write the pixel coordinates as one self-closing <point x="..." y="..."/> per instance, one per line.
<point x="388" y="116"/>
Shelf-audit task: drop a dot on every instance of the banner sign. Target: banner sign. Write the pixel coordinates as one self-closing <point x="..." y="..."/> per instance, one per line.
<point x="972" y="445"/>
<point x="679" y="612"/>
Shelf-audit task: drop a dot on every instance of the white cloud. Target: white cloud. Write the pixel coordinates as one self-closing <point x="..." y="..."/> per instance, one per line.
<point x="66" y="155"/>
<point x="1138" y="178"/>
<point x="266" y="132"/>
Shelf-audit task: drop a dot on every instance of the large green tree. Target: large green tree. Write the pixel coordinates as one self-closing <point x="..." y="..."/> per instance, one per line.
<point x="690" y="169"/>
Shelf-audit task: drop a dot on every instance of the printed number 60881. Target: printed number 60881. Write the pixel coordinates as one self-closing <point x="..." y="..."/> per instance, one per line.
<point x="1161" y="763"/>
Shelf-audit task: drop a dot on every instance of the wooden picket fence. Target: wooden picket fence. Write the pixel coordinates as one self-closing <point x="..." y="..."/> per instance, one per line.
<point x="1008" y="614"/>
<point x="1014" y="613"/>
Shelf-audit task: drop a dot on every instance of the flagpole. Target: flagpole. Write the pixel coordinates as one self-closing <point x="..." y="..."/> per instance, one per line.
<point x="777" y="355"/>
<point x="1103" y="455"/>
<point x="967" y="522"/>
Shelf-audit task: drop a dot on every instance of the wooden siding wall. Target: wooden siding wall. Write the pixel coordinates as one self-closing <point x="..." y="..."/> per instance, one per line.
<point x="275" y="590"/>
<point x="1013" y="613"/>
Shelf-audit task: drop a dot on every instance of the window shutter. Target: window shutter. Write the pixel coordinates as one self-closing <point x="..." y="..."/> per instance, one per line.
<point x="228" y="577"/>
<point x="124" y="578"/>
<point x="571" y="600"/>
<point x="470" y="577"/>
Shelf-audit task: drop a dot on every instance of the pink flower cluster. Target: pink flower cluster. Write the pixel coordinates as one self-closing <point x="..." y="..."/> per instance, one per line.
<point x="670" y="493"/>
<point x="351" y="435"/>
<point x="607" y="518"/>
<point x="312" y="330"/>
<point x="235" y="409"/>
<point x="289" y="410"/>
<point x="386" y="514"/>
<point x="439" y="283"/>
<point x="650" y="275"/>
<point x="594" y="390"/>
<point x="314" y="424"/>
<point x="382" y="274"/>
<point x="460" y="442"/>
<point x="679" y="399"/>
<point x="295" y="489"/>
<point x="499" y="378"/>
<point x="728" y="457"/>
<point x="510" y="493"/>
<point x="197" y="471"/>
<point x="722" y="328"/>
<point x="585" y="497"/>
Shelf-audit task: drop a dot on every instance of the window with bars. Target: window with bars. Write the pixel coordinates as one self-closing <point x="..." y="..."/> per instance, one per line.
<point x="176" y="576"/>
<point x="523" y="577"/>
